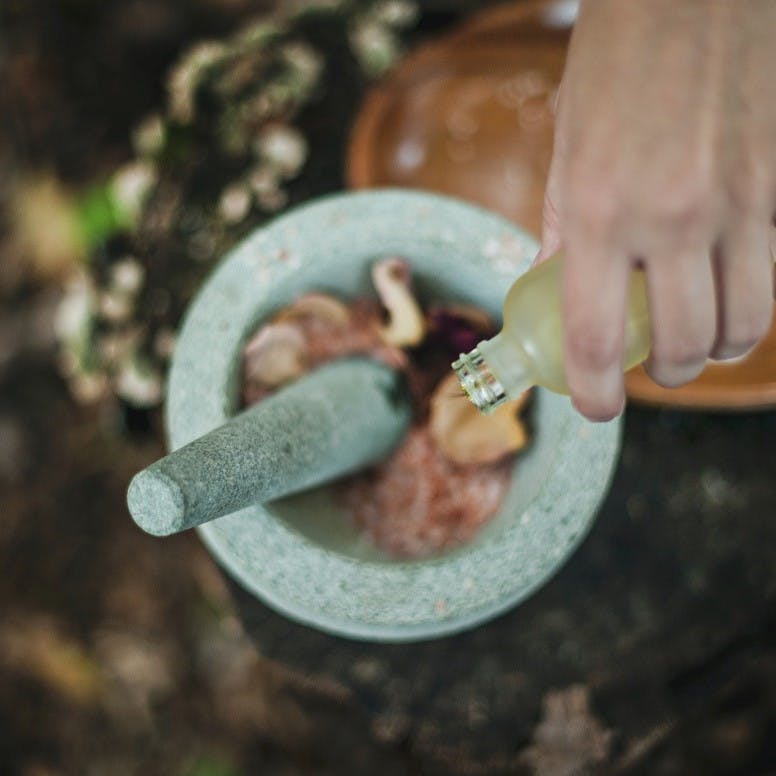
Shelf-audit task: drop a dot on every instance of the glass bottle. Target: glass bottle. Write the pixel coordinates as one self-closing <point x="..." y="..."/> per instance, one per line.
<point x="528" y="350"/>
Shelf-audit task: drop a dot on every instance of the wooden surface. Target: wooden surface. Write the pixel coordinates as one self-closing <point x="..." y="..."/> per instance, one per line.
<point x="748" y="383"/>
<point x="468" y="115"/>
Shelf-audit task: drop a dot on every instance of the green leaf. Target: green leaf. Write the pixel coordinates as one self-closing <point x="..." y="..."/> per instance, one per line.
<point x="99" y="216"/>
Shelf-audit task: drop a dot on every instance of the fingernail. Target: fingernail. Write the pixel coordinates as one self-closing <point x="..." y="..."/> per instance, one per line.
<point x="674" y="376"/>
<point x="729" y="354"/>
<point x="603" y="399"/>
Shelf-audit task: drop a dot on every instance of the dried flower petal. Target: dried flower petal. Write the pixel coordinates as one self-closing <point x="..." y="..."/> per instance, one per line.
<point x="465" y="435"/>
<point x="458" y="328"/>
<point x="315" y="305"/>
<point x="406" y="324"/>
<point x="276" y="354"/>
<point x="328" y="338"/>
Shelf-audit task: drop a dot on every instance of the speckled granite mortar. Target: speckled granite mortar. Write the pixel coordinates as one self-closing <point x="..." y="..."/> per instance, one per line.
<point x="300" y="555"/>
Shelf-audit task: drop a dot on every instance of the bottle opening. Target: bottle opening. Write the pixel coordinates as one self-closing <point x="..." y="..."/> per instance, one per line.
<point x="478" y="383"/>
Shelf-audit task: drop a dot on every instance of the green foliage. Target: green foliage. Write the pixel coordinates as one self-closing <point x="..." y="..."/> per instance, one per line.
<point x="99" y="216"/>
<point x="210" y="766"/>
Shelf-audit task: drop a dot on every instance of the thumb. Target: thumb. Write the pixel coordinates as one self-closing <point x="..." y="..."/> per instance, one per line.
<point x="551" y="223"/>
<point x="551" y="233"/>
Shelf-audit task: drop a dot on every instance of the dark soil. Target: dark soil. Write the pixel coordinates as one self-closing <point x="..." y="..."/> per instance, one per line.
<point x="652" y="652"/>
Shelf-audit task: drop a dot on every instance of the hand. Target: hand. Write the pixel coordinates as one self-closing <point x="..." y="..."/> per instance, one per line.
<point x="665" y="158"/>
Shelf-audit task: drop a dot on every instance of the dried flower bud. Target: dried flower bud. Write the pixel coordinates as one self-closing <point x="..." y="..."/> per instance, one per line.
<point x="127" y="276"/>
<point x="273" y="200"/>
<point x="374" y="45"/>
<point x="262" y="180"/>
<point x="139" y="383"/>
<point x="306" y="63"/>
<point x="235" y="203"/>
<point x="164" y="343"/>
<point x="131" y="185"/>
<point x="282" y="147"/>
<point x="118" y="347"/>
<point x="149" y="135"/>
<point x="76" y="310"/>
<point x="186" y="76"/>
<point x="396" y="13"/>
<point x="115" y="307"/>
<point x="89" y="387"/>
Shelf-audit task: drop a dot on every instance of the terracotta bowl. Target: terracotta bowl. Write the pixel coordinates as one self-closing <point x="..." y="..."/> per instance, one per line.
<point x="470" y="115"/>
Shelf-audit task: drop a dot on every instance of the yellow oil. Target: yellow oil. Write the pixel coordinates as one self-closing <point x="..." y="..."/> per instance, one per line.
<point x="528" y="351"/>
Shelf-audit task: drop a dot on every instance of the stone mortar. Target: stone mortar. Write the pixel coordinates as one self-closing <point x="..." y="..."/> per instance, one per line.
<point x="300" y="555"/>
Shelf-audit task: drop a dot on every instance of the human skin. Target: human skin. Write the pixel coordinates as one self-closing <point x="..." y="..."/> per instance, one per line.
<point x="665" y="159"/>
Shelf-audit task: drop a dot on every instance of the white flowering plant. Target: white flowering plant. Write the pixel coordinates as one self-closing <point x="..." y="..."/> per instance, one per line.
<point x="225" y="153"/>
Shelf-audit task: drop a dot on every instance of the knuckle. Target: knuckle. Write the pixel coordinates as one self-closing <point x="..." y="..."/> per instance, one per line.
<point x="592" y="197"/>
<point x="742" y="194"/>
<point x="599" y="205"/>
<point x="681" y="196"/>
<point x="750" y="186"/>
<point x="682" y="207"/>
<point x="592" y="350"/>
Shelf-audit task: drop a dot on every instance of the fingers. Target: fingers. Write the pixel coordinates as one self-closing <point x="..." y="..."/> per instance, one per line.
<point x="681" y="295"/>
<point x="595" y="284"/>
<point x="744" y="270"/>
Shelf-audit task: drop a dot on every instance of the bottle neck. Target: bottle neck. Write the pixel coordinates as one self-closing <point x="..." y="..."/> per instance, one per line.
<point x="492" y="373"/>
<point x="478" y="382"/>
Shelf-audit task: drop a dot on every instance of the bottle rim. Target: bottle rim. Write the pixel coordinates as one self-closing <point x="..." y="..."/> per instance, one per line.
<point x="477" y="381"/>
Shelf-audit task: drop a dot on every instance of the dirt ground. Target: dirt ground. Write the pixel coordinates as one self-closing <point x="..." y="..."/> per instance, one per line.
<point x="652" y="652"/>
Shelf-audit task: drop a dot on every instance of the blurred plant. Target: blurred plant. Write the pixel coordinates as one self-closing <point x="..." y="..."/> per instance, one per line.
<point x="211" y="767"/>
<point x="220" y="158"/>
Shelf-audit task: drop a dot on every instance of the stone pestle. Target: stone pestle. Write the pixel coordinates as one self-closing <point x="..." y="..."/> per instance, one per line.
<point x="340" y="418"/>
